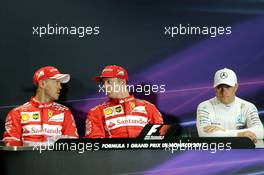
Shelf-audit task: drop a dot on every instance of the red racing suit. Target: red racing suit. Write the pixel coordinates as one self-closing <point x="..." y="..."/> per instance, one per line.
<point x="35" y="122"/>
<point x="121" y="118"/>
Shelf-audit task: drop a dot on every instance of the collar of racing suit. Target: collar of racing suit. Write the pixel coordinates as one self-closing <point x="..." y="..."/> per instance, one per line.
<point x="226" y="105"/>
<point x="37" y="104"/>
<point x="122" y="100"/>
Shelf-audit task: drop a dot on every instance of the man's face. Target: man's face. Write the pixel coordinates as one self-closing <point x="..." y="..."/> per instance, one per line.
<point x="113" y="87"/>
<point x="52" y="89"/>
<point x="225" y="93"/>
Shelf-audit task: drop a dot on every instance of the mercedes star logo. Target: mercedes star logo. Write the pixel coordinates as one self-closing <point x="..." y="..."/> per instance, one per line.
<point x="223" y="75"/>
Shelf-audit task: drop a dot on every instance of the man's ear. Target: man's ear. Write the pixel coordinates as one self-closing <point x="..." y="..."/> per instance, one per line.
<point x="236" y="87"/>
<point x="42" y="84"/>
<point x="123" y="81"/>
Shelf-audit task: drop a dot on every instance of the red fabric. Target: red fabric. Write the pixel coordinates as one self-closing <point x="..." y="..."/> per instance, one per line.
<point x="112" y="71"/>
<point x="35" y="122"/>
<point x="45" y="72"/>
<point x="121" y="118"/>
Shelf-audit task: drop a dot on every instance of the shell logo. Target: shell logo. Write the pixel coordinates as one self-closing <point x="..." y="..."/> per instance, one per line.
<point x="109" y="111"/>
<point x="25" y="117"/>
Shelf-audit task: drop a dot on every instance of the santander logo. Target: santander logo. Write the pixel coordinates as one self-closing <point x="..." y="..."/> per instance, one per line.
<point x="46" y="129"/>
<point x="111" y="124"/>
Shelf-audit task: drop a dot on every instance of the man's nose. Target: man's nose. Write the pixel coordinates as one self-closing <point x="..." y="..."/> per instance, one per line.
<point x="223" y="89"/>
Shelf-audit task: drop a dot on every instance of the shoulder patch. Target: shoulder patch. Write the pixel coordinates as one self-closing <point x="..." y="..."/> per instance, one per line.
<point x="60" y="107"/>
<point x="94" y="108"/>
<point x="141" y="101"/>
<point x="25" y="105"/>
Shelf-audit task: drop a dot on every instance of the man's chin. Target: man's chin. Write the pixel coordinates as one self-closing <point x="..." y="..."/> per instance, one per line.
<point x="110" y="95"/>
<point x="55" y="98"/>
<point x="226" y="101"/>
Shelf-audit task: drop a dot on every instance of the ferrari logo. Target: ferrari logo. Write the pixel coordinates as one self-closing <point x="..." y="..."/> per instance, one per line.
<point x="50" y="114"/>
<point x="133" y="105"/>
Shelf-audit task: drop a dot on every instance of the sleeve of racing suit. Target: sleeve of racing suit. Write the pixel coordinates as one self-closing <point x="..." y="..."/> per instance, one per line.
<point x="155" y="115"/>
<point x="203" y="118"/>
<point x="253" y="122"/>
<point x="69" y="129"/>
<point x="13" y="130"/>
<point x="94" y="127"/>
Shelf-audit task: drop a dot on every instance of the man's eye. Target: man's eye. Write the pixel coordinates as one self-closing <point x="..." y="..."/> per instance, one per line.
<point x="223" y="86"/>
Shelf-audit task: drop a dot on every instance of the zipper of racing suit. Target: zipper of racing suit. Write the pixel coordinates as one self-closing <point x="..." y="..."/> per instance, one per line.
<point x="126" y="111"/>
<point x="41" y="119"/>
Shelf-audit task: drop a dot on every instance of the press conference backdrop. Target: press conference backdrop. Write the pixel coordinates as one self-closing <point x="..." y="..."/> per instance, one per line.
<point x="171" y="44"/>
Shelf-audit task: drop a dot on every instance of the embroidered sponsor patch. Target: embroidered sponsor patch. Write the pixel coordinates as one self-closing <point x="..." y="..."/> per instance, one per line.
<point x="114" y="110"/>
<point x="41" y="129"/>
<point x="119" y="109"/>
<point x="108" y="111"/>
<point x="133" y="105"/>
<point x="129" y="120"/>
<point x="140" y="109"/>
<point x="57" y="118"/>
<point x="50" y="113"/>
<point x="25" y="117"/>
<point x="30" y="117"/>
<point x="35" y="116"/>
